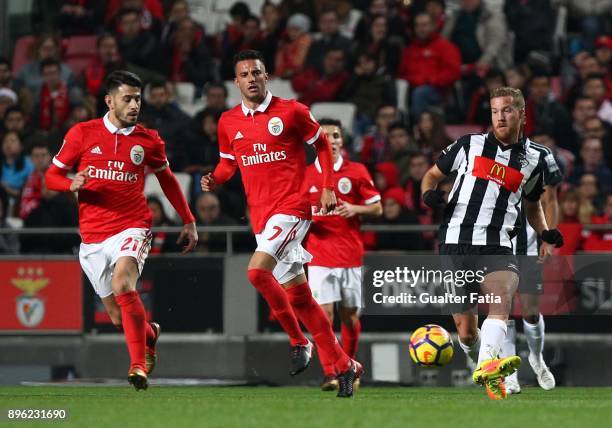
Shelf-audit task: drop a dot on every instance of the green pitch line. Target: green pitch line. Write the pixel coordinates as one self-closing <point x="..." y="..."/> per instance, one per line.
<point x="297" y="407"/>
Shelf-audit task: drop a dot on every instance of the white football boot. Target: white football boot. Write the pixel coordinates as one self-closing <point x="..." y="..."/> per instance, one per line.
<point x="546" y="380"/>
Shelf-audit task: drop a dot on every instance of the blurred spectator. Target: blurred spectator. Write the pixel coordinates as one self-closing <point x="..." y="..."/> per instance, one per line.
<point x="6" y="74"/>
<point x="15" y="166"/>
<point x="430" y="134"/>
<point x="590" y="197"/>
<point x="592" y="156"/>
<point x="191" y="61"/>
<point x="570" y="225"/>
<point x="47" y="46"/>
<point x="430" y="64"/>
<point x="584" y="109"/>
<point x="238" y="14"/>
<point x="328" y="37"/>
<point x="201" y="148"/>
<point x="106" y="61"/>
<point x="531" y="33"/>
<point x="80" y="17"/>
<point x="564" y="158"/>
<point x="56" y="98"/>
<point x="150" y="13"/>
<point x="594" y="87"/>
<point x="348" y="17"/>
<point x="480" y="33"/>
<point x="179" y="10"/>
<point x="386" y="176"/>
<point x="137" y="46"/>
<point x="216" y="96"/>
<point x="517" y="77"/>
<point x="401" y="149"/>
<point x="307" y="8"/>
<point x="293" y="48"/>
<point x="314" y="86"/>
<point x="395" y="213"/>
<point x="208" y="213"/>
<point x="589" y="17"/>
<point x="169" y="120"/>
<point x="162" y="242"/>
<point x="273" y="29"/>
<point x="375" y="144"/>
<point x="603" y="54"/>
<point x="597" y="128"/>
<point x="8" y="99"/>
<point x="436" y="9"/>
<point x="585" y="65"/>
<point x="250" y="38"/>
<point x="479" y="111"/>
<point x="34" y="189"/>
<point x="600" y="240"/>
<point x="419" y="164"/>
<point x="368" y="90"/>
<point x="543" y="111"/>
<point x="15" y="120"/>
<point x="394" y="25"/>
<point x="9" y="244"/>
<point x="385" y="47"/>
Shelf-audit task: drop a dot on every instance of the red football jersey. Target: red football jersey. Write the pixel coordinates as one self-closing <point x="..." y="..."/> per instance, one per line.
<point x="335" y="241"/>
<point x="268" y="145"/>
<point x="113" y="198"/>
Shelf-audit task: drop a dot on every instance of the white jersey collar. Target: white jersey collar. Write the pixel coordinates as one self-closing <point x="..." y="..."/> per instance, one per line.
<point x="113" y="129"/>
<point x="261" y="107"/>
<point x="337" y="164"/>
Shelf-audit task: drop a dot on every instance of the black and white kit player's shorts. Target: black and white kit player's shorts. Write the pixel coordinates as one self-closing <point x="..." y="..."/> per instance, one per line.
<point x="530" y="275"/>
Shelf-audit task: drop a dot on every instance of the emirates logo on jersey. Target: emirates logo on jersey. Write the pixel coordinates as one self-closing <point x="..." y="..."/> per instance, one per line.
<point x="113" y="172"/>
<point x="261" y="155"/>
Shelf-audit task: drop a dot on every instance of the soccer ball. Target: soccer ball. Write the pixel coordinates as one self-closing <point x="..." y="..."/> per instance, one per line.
<point x="431" y="346"/>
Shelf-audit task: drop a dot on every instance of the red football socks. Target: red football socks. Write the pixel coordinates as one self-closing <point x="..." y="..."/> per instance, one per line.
<point x="278" y="301"/>
<point x="350" y="337"/>
<point x="316" y="321"/>
<point x="150" y="334"/>
<point x="134" y="326"/>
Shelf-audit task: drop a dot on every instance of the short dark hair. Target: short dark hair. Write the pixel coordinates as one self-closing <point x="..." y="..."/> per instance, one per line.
<point x="246" y="55"/>
<point x="219" y="85"/>
<point x="121" y="77"/>
<point x="397" y="125"/>
<point x="49" y="62"/>
<point x="252" y="18"/>
<point x="328" y="121"/>
<point x="495" y="73"/>
<point x="240" y="9"/>
<point x="127" y="11"/>
<point x="104" y="36"/>
<point x="13" y="109"/>
<point x="6" y="61"/>
<point x="39" y="143"/>
<point x="595" y="76"/>
<point x="157" y="84"/>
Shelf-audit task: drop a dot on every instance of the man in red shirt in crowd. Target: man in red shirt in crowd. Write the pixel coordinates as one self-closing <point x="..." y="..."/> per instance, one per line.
<point x="34" y="189"/>
<point x="263" y="136"/>
<point x="600" y="240"/>
<point x="431" y="64"/>
<point x="110" y="155"/>
<point x="334" y="240"/>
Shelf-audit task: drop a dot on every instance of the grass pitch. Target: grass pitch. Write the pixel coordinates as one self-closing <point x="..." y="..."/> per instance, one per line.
<point x="378" y="407"/>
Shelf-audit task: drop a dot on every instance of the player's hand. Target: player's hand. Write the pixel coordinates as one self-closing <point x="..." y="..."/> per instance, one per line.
<point x="190" y="234"/>
<point x="433" y="198"/>
<point x="328" y="201"/>
<point x="79" y="180"/>
<point x="345" y="209"/>
<point x="546" y="250"/>
<point x="208" y="182"/>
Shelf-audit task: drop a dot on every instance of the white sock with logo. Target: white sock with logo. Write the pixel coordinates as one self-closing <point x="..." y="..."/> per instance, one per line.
<point x="493" y="332"/>
<point x="472" y="350"/>
<point x="509" y="345"/>
<point x="535" y="336"/>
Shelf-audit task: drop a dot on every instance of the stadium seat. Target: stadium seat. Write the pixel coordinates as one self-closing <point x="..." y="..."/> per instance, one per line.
<point x="79" y="52"/>
<point x="152" y="188"/>
<point x="344" y="112"/>
<point x="185" y="93"/>
<point x="401" y="89"/>
<point x="233" y="93"/>
<point x="457" y="131"/>
<point x="22" y="51"/>
<point x="281" y="88"/>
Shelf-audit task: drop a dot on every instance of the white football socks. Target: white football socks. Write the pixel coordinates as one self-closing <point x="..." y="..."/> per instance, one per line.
<point x="492" y="334"/>
<point x="472" y="350"/>
<point x="535" y="336"/>
<point x="509" y="345"/>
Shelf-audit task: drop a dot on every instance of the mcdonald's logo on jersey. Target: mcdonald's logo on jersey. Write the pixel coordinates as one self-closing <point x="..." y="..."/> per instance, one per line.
<point x="504" y="175"/>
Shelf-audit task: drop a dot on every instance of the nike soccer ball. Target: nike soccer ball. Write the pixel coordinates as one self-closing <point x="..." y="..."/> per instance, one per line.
<point x="431" y="346"/>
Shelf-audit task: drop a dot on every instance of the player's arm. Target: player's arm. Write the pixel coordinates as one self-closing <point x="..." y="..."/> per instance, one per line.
<point x="550" y="205"/>
<point x="172" y="189"/>
<point x="226" y="168"/>
<point x="371" y="206"/>
<point x="310" y="130"/>
<point x="450" y="159"/>
<point x="68" y="156"/>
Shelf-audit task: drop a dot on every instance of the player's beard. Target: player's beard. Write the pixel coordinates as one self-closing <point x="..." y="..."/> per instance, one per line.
<point x="127" y="121"/>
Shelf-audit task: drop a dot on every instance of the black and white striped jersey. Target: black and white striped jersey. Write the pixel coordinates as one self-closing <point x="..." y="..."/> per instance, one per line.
<point x="492" y="178"/>
<point x="526" y="240"/>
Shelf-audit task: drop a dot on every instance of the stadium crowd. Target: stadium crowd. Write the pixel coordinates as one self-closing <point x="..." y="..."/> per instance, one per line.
<point x="451" y="53"/>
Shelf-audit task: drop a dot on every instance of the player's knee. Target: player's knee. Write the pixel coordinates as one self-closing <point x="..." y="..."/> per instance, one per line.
<point x="257" y="277"/>
<point x="532" y="318"/>
<point x="468" y="337"/>
<point x="121" y="283"/>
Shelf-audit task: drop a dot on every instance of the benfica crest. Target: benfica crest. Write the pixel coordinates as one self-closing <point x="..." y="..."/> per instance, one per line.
<point x="30" y="307"/>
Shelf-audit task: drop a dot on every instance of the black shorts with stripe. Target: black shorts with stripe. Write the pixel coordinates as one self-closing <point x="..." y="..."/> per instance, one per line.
<point x="530" y="276"/>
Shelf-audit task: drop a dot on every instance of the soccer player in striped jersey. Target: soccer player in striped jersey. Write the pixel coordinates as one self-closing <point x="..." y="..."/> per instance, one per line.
<point x="495" y="172"/>
<point x="526" y="247"/>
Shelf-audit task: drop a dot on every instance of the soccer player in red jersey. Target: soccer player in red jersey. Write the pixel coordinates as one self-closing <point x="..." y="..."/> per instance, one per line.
<point x="110" y="155"/>
<point x="334" y="240"/>
<point x="263" y="136"/>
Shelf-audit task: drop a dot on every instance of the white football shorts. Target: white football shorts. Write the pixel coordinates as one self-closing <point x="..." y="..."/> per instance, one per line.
<point x="330" y="285"/>
<point x="282" y="239"/>
<point x="98" y="260"/>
